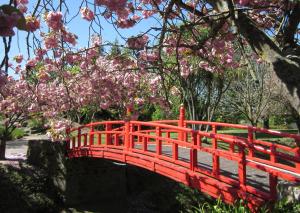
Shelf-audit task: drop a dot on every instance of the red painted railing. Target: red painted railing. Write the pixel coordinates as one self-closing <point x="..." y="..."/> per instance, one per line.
<point x="194" y="157"/>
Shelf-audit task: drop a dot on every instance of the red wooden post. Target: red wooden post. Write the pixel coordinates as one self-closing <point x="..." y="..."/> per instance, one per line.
<point x="181" y="122"/>
<point x="193" y="152"/>
<point x="250" y="141"/>
<point x="199" y="140"/>
<point x="158" y="141"/>
<point x="216" y="158"/>
<point x="116" y="138"/>
<point x="168" y="134"/>
<point x="108" y="127"/>
<point x="85" y="139"/>
<point x="273" y="180"/>
<point x="127" y="134"/>
<point x="73" y="142"/>
<point x="91" y="135"/>
<point x="78" y="137"/>
<point x="139" y="129"/>
<point x="180" y="133"/>
<point x="242" y="167"/>
<point x="145" y="144"/>
<point x="127" y="129"/>
<point x="131" y="137"/>
<point x="272" y="153"/>
<point x="99" y="138"/>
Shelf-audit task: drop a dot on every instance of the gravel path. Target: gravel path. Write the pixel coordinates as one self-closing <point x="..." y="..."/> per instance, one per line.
<point x="17" y="149"/>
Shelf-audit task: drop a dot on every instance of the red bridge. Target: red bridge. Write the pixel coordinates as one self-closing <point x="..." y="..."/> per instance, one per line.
<point x="221" y="165"/>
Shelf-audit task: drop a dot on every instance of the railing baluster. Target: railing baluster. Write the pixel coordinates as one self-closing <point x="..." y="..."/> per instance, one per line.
<point x="193" y="152"/>
<point x="139" y="129"/>
<point x="273" y="180"/>
<point x="116" y="139"/>
<point x="127" y="135"/>
<point x="250" y="141"/>
<point x="73" y="142"/>
<point x="108" y="127"/>
<point x="131" y="137"/>
<point x="85" y="139"/>
<point x="158" y="141"/>
<point x="242" y="167"/>
<point x="144" y="143"/>
<point x="78" y="137"/>
<point x="272" y="153"/>
<point x="99" y="138"/>
<point x="199" y="140"/>
<point x="216" y="158"/>
<point x="168" y="134"/>
<point x="91" y="135"/>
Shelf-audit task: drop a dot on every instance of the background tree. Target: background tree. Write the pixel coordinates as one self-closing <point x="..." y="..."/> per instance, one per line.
<point x="253" y="97"/>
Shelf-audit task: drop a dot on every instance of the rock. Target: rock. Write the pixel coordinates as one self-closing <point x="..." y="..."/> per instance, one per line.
<point x="49" y="156"/>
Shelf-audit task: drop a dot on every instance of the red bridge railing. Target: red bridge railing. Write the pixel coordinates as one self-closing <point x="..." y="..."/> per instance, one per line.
<point x="222" y="165"/>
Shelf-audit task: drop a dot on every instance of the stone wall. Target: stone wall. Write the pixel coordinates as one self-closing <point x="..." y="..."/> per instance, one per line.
<point x="99" y="185"/>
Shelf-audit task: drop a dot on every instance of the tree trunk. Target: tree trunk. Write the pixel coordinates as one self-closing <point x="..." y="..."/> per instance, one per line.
<point x="266" y="123"/>
<point x="296" y="118"/>
<point x="2" y="149"/>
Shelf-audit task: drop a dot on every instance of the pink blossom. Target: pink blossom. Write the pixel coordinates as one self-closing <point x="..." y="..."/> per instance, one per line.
<point x="40" y="53"/>
<point x="112" y="5"/>
<point x="87" y="14"/>
<point x="96" y="40"/>
<point x="22" y="8"/>
<point x="244" y="2"/>
<point x="125" y="23"/>
<point x="51" y="41"/>
<point x="22" y="2"/>
<point x="32" y="23"/>
<point x="54" y="20"/>
<point x="69" y="37"/>
<point x="31" y="62"/>
<point x="137" y="42"/>
<point x="7" y="23"/>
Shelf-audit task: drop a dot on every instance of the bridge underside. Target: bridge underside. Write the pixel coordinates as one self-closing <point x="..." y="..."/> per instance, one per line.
<point x="204" y="183"/>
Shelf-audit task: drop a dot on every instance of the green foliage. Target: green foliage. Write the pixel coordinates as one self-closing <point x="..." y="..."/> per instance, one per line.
<point x="158" y="114"/>
<point x="37" y="124"/>
<point x="284" y="206"/>
<point x="17" y="133"/>
<point x="219" y="207"/>
<point x="24" y="189"/>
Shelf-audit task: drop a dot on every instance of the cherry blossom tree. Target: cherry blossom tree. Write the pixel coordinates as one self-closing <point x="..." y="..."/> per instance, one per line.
<point x="210" y="30"/>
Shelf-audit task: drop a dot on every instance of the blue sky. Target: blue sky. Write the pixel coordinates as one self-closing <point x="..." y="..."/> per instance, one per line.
<point x="80" y="27"/>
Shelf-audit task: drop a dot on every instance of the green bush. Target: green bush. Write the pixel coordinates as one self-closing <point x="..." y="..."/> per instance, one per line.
<point x="18" y="133"/>
<point x="37" y="124"/>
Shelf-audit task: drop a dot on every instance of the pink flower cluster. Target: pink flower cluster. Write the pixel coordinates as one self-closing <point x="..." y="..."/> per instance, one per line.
<point x="8" y="22"/>
<point x="137" y="42"/>
<point x="54" y="20"/>
<point x="32" y="23"/>
<point x="87" y="14"/>
<point x="22" y="5"/>
<point x="112" y="5"/>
